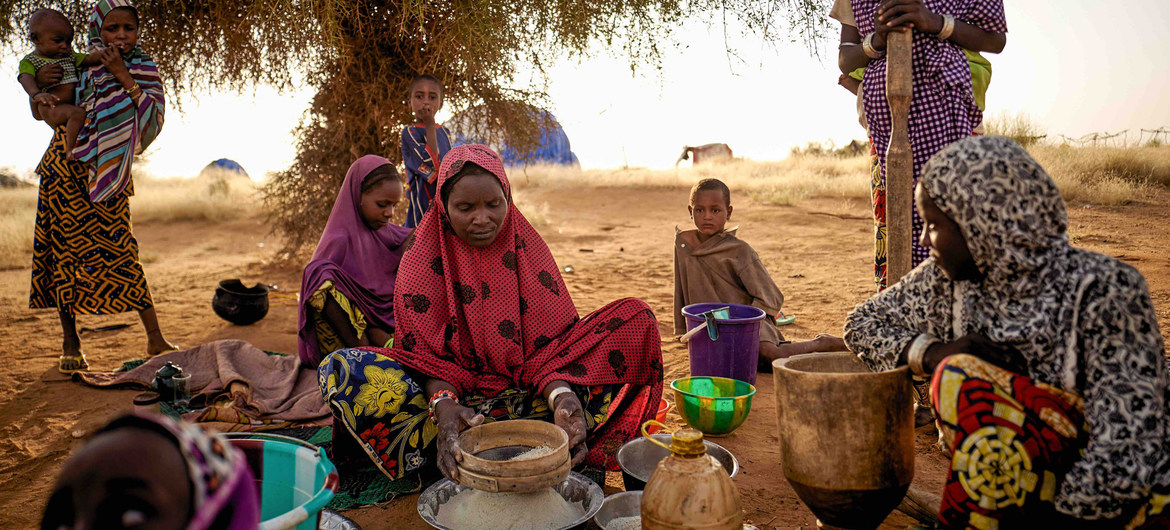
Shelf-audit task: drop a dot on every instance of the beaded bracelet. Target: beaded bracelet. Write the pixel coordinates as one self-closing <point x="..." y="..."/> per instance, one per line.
<point x="435" y="399"/>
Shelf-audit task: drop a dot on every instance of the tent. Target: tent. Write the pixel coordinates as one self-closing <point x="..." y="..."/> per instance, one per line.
<point x="554" y="143"/>
<point x="227" y="166"/>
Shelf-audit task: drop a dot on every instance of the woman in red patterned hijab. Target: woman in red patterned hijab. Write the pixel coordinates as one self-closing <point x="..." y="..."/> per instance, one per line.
<point x="487" y="330"/>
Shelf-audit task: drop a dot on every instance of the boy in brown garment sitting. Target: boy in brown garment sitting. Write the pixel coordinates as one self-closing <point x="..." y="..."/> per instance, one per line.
<point x="711" y="265"/>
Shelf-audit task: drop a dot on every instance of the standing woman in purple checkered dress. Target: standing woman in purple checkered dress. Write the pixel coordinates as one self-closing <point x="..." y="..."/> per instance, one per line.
<point x="943" y="109"/>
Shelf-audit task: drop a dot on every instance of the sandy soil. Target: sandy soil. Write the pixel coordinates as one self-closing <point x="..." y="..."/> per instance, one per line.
<point x="818" y="253"/>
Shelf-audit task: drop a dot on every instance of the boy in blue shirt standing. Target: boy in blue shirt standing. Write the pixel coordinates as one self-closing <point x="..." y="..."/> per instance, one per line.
<point x="424" y="145"/>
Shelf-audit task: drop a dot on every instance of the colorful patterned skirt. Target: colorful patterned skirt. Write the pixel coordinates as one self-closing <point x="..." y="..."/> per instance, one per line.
<point x="1012" y="440"/>
<point x="85" y="257"/>
<point x="380" y="410"/>
<point x="877" y="186"/>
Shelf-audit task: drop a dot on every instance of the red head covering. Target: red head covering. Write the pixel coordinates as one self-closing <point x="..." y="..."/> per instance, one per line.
<point x="500" y="317"/>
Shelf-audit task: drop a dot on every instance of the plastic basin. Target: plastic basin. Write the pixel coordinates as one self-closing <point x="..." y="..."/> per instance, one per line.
<point x="715" y="406"/>
<point x="294" y="478"/>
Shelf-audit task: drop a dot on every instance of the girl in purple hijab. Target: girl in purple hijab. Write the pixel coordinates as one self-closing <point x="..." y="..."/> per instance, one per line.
<point x="347" y="291"/>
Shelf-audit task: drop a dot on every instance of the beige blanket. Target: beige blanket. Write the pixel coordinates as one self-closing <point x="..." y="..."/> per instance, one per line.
<point x="239" y="384"/>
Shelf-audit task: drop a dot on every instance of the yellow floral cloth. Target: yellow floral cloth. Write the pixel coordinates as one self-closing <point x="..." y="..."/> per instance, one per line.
<point x="381" y="406"/>
<point x="327" y="337"/>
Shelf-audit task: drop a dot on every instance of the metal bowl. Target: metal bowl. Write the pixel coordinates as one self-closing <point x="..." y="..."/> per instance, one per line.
<point x="624" y="504"/>
<point x="331" y="520"/>
<point x="638" y="458"/>
<point x="577" y="488"/>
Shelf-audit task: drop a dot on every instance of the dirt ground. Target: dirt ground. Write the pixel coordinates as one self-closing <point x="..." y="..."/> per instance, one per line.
<point x="617" y="240"/>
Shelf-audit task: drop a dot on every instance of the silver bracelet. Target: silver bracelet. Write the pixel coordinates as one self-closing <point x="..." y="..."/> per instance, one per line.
<point x="917" y="353"/>
<point x="552" y="396"/>
<point x="948" y="27"/>
<point x="867" y="47"/>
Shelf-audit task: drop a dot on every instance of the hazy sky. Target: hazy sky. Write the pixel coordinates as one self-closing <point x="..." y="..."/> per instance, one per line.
<point x="1075" y="66"/>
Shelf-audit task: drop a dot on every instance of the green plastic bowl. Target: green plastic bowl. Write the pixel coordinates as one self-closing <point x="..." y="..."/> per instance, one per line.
<point x="715" y="406"/>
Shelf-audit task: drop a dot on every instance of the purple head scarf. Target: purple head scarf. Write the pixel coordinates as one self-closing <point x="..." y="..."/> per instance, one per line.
<point x="220" y="479"/>
<point x="361" y="262"/>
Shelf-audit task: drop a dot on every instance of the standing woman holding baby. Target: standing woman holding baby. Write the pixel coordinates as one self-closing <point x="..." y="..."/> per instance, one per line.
<point x="85" y="257"/>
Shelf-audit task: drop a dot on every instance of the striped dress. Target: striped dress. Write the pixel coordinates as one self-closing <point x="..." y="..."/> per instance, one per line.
<point x="117" y="126"/>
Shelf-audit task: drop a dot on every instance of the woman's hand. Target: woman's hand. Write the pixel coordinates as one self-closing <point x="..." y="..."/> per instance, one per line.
<point x="902" y="15"/>
<point x="453" y="419"/>
<point x="1001" y="355"/>
<point x="49" y="75"/>
<point x="114" y="64"/>
<point x="569" y="415"/>
<point x="880" y="30"/>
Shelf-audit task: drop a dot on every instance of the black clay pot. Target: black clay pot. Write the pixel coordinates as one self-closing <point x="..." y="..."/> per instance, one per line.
<point x="238" y="304"/>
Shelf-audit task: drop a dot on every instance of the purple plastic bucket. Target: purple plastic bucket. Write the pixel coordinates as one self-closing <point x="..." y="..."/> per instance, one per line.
<point x="737" y="351"/>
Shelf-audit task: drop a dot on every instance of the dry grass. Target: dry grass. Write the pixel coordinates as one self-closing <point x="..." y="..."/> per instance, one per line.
<point x="17" y="209"/>
<point x="1098" y="175"/>
<point x="155" y="201"/>
<point x="1018" y="126"/>
<point x="784" y="182"/>
<point x="1105" y="175"/>
<point x="536" y="213"/>
<point x="197" y="199"/>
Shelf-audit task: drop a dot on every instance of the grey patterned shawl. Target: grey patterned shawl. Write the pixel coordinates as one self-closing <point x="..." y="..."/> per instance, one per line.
<point x="1083" y="321"/>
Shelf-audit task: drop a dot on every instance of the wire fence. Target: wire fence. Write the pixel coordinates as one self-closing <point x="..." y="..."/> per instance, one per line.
<point x="1122" y="138"/>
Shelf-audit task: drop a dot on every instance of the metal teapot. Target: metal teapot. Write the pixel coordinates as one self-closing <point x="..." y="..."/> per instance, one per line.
<point x="164" y="382"/>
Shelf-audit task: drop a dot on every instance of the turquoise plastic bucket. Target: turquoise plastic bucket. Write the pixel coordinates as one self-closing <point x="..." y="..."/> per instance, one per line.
<point x="295" y="479"/>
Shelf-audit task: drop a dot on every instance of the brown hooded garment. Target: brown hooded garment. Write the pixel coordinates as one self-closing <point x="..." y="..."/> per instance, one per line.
<point x="726" y="270"/>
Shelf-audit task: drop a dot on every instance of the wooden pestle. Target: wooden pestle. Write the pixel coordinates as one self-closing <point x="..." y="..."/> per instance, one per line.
<point x="899" y="157"/>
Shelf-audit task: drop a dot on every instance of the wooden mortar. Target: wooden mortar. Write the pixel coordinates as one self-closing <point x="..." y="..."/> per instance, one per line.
<point x="846" y="436"/>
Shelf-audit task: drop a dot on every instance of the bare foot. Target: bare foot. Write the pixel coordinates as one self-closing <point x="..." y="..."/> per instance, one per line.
<point x="156" y="344"/>
<point x="923" y="415"/>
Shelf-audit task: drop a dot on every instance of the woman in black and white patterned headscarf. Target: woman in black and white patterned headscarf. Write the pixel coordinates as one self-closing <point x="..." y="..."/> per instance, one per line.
<point x="1049" y="382"/>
